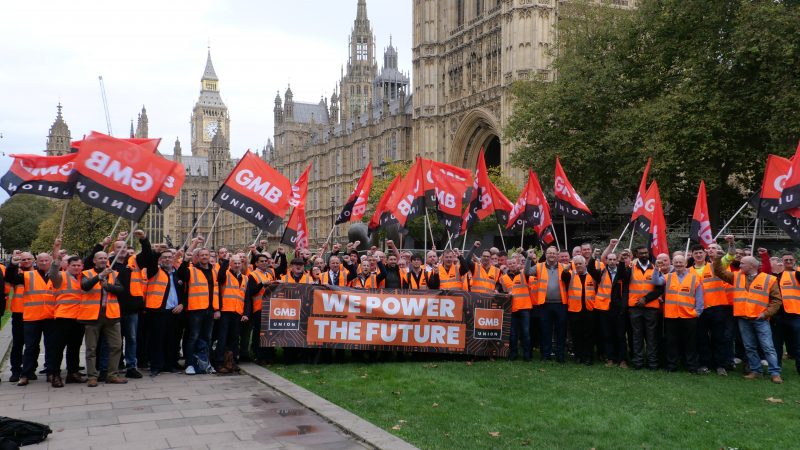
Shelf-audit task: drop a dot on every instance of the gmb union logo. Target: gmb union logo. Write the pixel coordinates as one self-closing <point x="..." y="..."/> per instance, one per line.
<point x="284" y="314"/>
<point x="488" y="323"/>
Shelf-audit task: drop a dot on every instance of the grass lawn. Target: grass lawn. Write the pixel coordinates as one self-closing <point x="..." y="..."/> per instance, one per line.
<point x="499" y="404"/>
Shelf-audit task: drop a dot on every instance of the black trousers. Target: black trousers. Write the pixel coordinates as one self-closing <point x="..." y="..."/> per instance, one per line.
<point x="229" y="324"/>
<point x="34" y="331"/>
<point x="582" y="326"/>
<point x="614" y="324"/>
<point x="681" y="339"/>
<point x="142" y="337"/>
<point x="17" y="343"/>
<point x="554" y="318"/>
<point x="715" y="337"/>
<point x="164" y="340"/>
<point x="67" y="334"/>
<point x="644" y="327"/>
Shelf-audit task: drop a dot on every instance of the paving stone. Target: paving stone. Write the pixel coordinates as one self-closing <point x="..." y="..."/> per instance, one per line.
<point x="145" y="417"/>
<point x="188" y="421"/>
<point x="135" y="427"/>
<point x="146" y="402"/>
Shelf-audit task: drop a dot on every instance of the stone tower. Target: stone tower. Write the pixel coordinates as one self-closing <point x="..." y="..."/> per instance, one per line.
<point x="278" y="109"/>
<point x="209" y="114"/>
<point x="142" y="124"/>
<point x="59" y="137"/>
<point x="355" y="87"/>
<point x="219" y="156"/>
<point x="390" y="82"/>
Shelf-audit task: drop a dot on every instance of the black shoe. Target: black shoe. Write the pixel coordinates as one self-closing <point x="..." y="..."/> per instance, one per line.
<point x="33" y="377"/>
<point x="43" y="371"/>
<point x="133" y="373"/>
<point x="154" y="373"/>
<point x="103" y="376"/>
<point x="13" y="378"/>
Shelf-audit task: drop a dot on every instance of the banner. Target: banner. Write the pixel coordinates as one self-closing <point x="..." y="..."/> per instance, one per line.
<point x="296" y="232"/>
<point x="568" y="202"/>
<point x="119" y="177"/>
<point x="356" y="204"/>
<point x="790" y="193"/>
<point x="382" y="216"/>
<point x="456" y="176"/>
<point x="644" y="221"/>
<point x="449" y="198"/>
<point x="300" y="190"/>
<point x="527" y="211"/>
<point x="47" y="176"/>
<point x="700" y="230"/>
<point x="151" y="145"/>
<point x="320" y="316"/>
<point x="408" y="201"/>
<point x="640" y="194"/>
<point x="256" y="192"/>
<point x="658" y="239"/>
<point x="172" y="186"/>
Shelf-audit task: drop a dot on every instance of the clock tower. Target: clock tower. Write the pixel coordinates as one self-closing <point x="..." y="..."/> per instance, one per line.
<point x="210" y="115"/>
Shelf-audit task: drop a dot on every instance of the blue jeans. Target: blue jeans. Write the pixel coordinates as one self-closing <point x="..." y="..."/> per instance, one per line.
<point x="757" y="333"/>
<point x="521" y="329"/>
<point x="130" y="324"/>
<point x="554" y="318"/>
<point x="199" y="325"/>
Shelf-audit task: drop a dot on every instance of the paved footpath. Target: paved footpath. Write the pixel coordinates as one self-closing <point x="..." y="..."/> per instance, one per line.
<point x="170" y="411"/>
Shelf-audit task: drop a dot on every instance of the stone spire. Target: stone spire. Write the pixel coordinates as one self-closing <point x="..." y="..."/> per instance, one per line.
<point x="209" y="73"/>
<point x="288" y="104"/>
<point x="176" y="150"/>
<point x="132" y="134"/>
<point x="142" y="124"/>
<point x="59" y="137"/>
<point x="278" y="110"/>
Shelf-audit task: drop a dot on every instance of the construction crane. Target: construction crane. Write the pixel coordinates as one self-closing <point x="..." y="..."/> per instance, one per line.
<point x="105" y="104"/>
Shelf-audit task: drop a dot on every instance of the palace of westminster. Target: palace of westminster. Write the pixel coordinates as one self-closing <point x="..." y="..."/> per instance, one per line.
<point x="466" y="55"/>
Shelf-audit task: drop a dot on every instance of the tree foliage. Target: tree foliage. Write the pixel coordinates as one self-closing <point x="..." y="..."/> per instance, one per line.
<point x="84" y="226"/>
<point x="21" y="216"/>
<point x="707" y="89"/>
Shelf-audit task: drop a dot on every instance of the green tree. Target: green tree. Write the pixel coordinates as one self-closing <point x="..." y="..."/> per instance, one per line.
<point x="21" y="216"/>
<point x="707" y="89"/>
<point x="83" y="228"/>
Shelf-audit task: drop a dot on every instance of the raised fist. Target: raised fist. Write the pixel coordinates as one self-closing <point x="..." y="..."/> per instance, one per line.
<point x="122" y="235"/>
<point x="614" y="241"/>
<point x="106" y="241"/>
<point x="139" y="234"/>
<point x="477" y="244"/>
<point x="729" y="239"/>
<point x="390" y="243"/>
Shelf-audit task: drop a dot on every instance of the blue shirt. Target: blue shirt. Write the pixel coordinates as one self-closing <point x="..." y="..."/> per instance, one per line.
<point x="172" y="294"/>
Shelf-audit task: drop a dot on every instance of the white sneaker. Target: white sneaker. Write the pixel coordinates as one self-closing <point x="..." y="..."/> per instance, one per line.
<point x="737" y="361"/>
<point x="764" y="362"/>
<point x="189" y="370"/>
<point x="211" y="370"/>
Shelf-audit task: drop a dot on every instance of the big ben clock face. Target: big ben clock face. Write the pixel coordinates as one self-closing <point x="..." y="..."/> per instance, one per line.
<point x="210" y="130"/>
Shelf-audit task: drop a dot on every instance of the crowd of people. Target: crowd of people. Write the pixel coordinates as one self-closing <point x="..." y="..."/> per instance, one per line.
<point x="707" y="310"/>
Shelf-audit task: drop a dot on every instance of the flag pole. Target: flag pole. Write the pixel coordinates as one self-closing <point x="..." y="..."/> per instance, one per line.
<point x="116" y="254"/>
<point x="258" y="236"/>
<point x="753" y="242"/>
<point x="329" y="235"/>
<point x="194" y="226"/>
<point x="425" y="232"/>
<point x="620" y="237"/>
<point x="116" y="225"/>
<point x="688" y="241"/>
<point x="564" y="221"/>
<point x="63" y="218"/>
<point x="555" y="235"/>
<point x="464" y="244"/>
<point x="213" y="226"/>
<point x="501" y="237"/>
<point x="633" y="233"/>
<point x="729" y="221"/>
<point x="522" y="237"/>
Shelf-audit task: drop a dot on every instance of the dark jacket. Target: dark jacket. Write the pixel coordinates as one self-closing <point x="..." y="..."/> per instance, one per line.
<point x="150" y="262"/>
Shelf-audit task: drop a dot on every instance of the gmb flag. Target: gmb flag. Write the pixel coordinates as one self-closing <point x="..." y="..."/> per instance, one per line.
<point x="47" y="176"/>
<point x="356" y="205"/>
<point x="256" y="192"/>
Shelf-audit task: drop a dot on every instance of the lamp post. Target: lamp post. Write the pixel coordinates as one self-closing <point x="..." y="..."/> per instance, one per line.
<point x="194" y="211"/>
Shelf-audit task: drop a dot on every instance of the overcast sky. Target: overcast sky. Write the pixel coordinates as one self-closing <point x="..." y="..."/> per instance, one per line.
<point x="153" y="53"/>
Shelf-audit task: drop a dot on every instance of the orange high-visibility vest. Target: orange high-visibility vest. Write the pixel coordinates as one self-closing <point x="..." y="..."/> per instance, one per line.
<point x="38" y="301"/>
<point x="156" y="288"/>
<point x="414" y="283"/>
<point x="790" y="292"/>
<point x="68" y="297"/>
<point x="263" y="278"/>
<point x="679" y="296"/>
<point x="541" y="285"/>
<point x="602" y="300"/>
<point x="233" y="293"/>
<point x="342" y="281"/>
<point x="520" y="291"/>
<point x="576" y="287"/>
<point x="641" y="284"/>
<point x="9" y="288"/>
<point x="16" y="297"/>
<point x="136" y="286"/>
<point x="305" y="279"/>
<point x="90" y="300"/>
<point x="715" y="291"/>
<point x="750" y="302"/>
<point x="198" y="289"/>
<point x="483" y="282"/>
<point x="370" y="282"/>
<point x="450" y="279"/>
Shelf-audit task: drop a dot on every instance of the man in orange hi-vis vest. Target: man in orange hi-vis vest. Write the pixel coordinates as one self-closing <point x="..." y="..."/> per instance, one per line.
<point x="756" y="298"/>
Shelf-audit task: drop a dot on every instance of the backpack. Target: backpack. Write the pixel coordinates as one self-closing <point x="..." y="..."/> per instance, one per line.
<point x="201" y="354"/>
<point x="21" y="432"/>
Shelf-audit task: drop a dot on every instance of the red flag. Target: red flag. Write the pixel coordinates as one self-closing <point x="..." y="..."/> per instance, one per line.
<point x="172" y="186"/>
<point x="409" y="197"/>
<point x="637" y="205"/>
<point x="440" y="170"/>
<point x="296" y="232"/>
<point x="568" y="202"/>
<point x="356" y="204"/>
<point x="527" y="211"/>
<point x="658" y="240"/>
<point x="700" y="230"/>
<point x="485" y="199"/>
<point x="382" y="216"/>
<point x="449" y="197"/>
<point x="300" y="189"/>
<point x="119" y="177"/>
<point x="47" y="176"/>
<point x="767" y="200"/>
<point x="148" y="144"/>
<point x="790" y="197"/>
<point x="644" y="222"/>
<point x="256" y="192"/>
